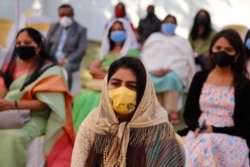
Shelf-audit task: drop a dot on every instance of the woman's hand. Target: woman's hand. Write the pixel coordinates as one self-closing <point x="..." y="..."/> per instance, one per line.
<point x="96" y="70"/>
<point x="160" y="72"/>
<point x="196" y="132"/>
<point x="208" y="128"/>
<point x="63" y="62"/>
<point x="6" y="105"/>
<point x="23" y="104"/>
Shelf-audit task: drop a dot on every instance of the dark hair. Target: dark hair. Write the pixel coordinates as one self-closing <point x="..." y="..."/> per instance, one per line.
<point x="67" y="6"/>
<point x="111" y="43"/>
<point x="207" y="27"/>
<point x="151" y="6"/>
<point x="135" y="156"/>
<point x="170" y="16"/>
<point x="43" y="56"/>
<point x="247" y="50"/>
<point x="137" y="67"/>
<point x="123" y="7"/>
<point x="239" y="67"/>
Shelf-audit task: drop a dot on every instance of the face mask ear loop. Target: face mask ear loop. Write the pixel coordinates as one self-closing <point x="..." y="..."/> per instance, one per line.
<point x="236" y="58"/>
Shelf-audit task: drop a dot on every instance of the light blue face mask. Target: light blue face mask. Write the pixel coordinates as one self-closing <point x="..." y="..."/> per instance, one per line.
<point x="248" y="44"/>
<point x="118" y="36"/>
<point x="168" y="28"/>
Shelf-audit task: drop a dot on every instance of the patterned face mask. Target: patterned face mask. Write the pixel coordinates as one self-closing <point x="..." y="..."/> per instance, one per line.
<point x="123" y="100"/>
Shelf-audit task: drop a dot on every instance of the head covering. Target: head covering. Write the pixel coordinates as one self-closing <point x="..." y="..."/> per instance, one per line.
<point x="150" y="121"/>
<point x="130" y="42"/>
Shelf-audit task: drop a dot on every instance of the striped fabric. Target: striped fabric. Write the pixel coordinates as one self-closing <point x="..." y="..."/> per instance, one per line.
<point x="164" y="153"/>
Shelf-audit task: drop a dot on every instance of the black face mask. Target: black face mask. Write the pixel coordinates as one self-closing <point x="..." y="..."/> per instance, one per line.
<point x="25" y="52"/>
<point x="150" y="14"/>
<point x="202" y="21"/>
<point x="222" y="59"/>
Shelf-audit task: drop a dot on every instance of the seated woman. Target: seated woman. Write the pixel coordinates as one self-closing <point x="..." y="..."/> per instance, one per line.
<point x="129" y="127"/>
<point x="169" y="59"/>
<point x="219" y="99"/>
<point x="118" y="41"/>
<point x="200" y="36"/>
<point x="30" y="79"/>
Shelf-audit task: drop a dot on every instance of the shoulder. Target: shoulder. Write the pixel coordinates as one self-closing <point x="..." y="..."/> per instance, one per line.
<point x="189" y="38"/>
<point x="51" y="69"/>
<point x="79" y="26"/>
<point x="155" y="36"/>
<point x="212" y="33"/>
<point x="142" y="20"/>
<point x="246" y="89"/>
<point x="133" y="52"/>
<point x="54" y="25"/>
<point x="180" y="38"/>
<point x="201" y="76"/>
<point x="159" y="20"/>
<point x="203" y="73"/>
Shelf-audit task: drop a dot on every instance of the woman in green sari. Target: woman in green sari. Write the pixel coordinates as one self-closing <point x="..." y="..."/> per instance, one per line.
<point x="118" y="41"/>
<point x="31" y="79"/>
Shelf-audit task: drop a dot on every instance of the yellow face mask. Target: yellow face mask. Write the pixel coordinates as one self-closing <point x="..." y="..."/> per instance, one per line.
<point x="123" y="100"/>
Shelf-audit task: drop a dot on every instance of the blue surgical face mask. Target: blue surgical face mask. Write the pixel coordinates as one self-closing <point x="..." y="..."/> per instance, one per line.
<point x="118" y="36"/>
<point x="168" y="28"/>
<point x="248" y="44"/>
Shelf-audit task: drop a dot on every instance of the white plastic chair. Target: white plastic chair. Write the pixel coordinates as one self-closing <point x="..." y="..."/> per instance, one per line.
<point x="36" y="155"/>
<point x="241" y="29"/>
<point x="184" y="151"/>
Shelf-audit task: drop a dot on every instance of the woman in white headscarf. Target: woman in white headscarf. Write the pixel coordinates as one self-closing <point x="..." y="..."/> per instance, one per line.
<point x="118" y="41"/>
<point x="169" y="59"/>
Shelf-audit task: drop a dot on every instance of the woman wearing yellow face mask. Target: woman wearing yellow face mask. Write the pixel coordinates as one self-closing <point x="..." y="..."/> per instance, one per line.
<point x="129" y="127"/>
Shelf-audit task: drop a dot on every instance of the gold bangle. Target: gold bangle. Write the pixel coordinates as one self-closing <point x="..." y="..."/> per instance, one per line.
<point x="16" y="104"/>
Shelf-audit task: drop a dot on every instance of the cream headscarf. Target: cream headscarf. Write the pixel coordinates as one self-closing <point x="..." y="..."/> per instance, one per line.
<point x="148" y="120"/>
<point x="130" y="42"/>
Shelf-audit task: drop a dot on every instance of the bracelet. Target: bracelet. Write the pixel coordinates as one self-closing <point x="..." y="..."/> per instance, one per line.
<point x="16" y="104"/>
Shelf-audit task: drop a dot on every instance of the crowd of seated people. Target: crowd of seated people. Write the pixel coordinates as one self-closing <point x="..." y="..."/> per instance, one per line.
<point x="136" y="89"/>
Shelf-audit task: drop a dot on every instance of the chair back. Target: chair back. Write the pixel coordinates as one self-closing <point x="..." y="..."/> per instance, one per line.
<point x="241" y="29"/>
<point x="184" y="151"/>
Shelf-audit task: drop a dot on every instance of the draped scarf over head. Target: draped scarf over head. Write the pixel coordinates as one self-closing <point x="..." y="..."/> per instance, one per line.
<point x="130" y="41"/>
<point x="149" y="121"/>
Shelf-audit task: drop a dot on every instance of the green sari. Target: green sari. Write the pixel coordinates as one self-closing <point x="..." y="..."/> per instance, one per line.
<point x="89" y="99"/>
<point x="14" y="142"/>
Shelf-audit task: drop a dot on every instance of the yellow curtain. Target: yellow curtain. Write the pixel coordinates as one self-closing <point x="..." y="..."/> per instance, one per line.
<point x="39" y="26"/>
<point x="5" y="26"/>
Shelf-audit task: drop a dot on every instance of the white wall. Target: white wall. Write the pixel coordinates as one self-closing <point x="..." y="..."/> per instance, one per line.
<point x="95" y="13"/>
